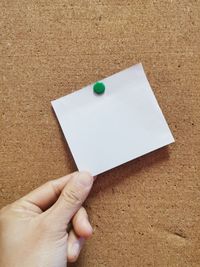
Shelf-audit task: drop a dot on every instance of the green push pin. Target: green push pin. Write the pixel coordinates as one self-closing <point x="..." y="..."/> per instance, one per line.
<point x="99" y="88"/>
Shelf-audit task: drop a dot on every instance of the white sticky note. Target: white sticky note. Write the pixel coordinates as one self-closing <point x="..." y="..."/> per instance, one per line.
<point x="105" y="131"/>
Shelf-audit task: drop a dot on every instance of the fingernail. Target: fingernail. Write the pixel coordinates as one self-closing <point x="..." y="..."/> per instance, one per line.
<point x="90" y="229"/>
<point x="75" y="248"/>
<point x="85" y="178"/>
<point x="87" y="226"/>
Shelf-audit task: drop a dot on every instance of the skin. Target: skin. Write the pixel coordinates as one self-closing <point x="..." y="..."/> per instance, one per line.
<point x="33" y="229"/>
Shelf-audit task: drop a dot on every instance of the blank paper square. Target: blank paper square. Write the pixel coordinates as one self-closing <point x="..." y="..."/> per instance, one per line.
<point x="105" y="131"/>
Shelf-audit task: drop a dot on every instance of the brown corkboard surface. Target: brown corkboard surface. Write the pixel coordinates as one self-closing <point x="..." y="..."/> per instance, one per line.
<point x="146" y="212"/>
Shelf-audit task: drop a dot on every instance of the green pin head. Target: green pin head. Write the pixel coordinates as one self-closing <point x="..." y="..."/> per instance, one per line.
<point x="99" y="88"/>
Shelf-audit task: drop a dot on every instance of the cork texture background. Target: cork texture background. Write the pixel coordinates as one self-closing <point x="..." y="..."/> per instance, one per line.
<point x="146" y="212"/>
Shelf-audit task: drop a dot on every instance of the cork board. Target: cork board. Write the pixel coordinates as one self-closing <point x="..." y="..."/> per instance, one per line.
<point x="146" y="212"/>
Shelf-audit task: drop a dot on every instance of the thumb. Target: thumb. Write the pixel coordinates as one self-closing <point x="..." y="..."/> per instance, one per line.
<point x="71" y="198"/>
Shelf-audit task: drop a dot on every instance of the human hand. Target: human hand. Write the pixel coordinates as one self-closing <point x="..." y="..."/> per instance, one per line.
<point x="33" y="229"/>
